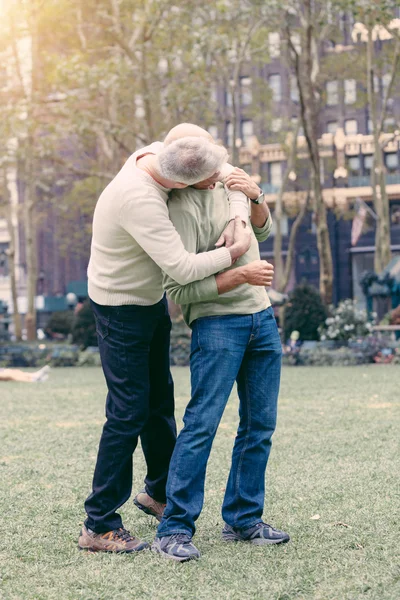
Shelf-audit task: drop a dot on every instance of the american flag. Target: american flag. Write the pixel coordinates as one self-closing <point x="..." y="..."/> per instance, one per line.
<point x="358" y="221"/>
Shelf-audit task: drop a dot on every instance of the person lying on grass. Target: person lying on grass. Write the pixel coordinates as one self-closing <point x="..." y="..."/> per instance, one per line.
<point x="21" y="376"/>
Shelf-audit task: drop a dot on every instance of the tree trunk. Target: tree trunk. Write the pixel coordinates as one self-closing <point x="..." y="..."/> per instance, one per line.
<point x="378" y="179"/>
<point x="306" y="69"/>
<point x="30" y="246"/>
<point x="30" y="199"/>
<point x="11" y="260"/>
<point x="291" y="247"/>
<point x="278" y="259"/>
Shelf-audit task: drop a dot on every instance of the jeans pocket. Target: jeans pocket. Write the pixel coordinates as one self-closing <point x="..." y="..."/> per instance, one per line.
<point x="102" y="326"/>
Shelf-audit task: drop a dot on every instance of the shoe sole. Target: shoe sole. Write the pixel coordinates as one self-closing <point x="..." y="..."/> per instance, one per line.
<point x="171" y="557"/>
<point x="89" y="550"/>
<point x="255" y="542"/>
<point x="146" y="510"/>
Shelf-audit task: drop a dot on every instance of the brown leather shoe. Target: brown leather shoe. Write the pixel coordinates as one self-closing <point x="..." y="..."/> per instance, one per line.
<point x="148" y="505"/>
<point x="118" y="540"/>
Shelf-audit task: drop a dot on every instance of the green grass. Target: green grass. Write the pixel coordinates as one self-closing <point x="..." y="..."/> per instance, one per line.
<point x="336" y="454"/>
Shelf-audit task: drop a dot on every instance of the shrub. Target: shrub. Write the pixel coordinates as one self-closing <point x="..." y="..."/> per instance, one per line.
<point x="64" y="356"/>
<point x="84" y="327"/>
<point x="325" y="357"/>
<point x="305" y="312"/>
<point x="89" y="358"/>
<point x="60" y="323"/>
<point x="346" y="322"/>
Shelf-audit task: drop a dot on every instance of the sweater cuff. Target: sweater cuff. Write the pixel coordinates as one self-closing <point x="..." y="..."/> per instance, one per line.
<point x="239" y="209"/>
<point x="222" y="258"/>
<point x="266" y="228"/>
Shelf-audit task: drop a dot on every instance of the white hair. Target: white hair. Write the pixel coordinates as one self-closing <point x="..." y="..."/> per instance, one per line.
<point x="191" y="159"/>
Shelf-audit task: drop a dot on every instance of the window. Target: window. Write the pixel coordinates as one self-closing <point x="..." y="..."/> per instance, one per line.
<point x="247" y="131"/>
<point x="370" y="129"/>
<point x="395" y="215"/>
<point x="350" y="91"/>
<point x="392" y="161"/>
<point x="284" y="225"/>
<point x="229" y="135"/>
<point x="3" y="260"/>
<point x="276" y="125"/>
<point x="163" y="66"/>
<point x="368" y="163"/>
<point x="213" y="130"/>
<point x="139" y="112"/>
<point x="246" y="91"/>
<point x="276" y="174"/>
<point x="294" y="121"/>
<point x="331" y="127"/>
<point x="332" y="93"/>
<point x="274" y="82"/>
<point x="385" y="82"/>
<point x="296" y="41"/>
<point x="389" y="125"/>
<point x="228" y="97"/>
<point x="274" y="42"/>
<point x="351" y="127"/>
<point x="294" y="89"/>
<point x="353" y="163"/>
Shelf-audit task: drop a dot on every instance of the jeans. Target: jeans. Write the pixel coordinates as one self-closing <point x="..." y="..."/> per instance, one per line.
<point x="134" y="349"/>
<point x="224" y="349"/>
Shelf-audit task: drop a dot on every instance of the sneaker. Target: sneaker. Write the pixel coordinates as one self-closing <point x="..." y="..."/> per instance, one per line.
<point x="118" y="540"/>
<point x="177" y="547"/>
<point x="41" y="375"/>
<point x="260" y="535"/>
<point x="148" y="505"/>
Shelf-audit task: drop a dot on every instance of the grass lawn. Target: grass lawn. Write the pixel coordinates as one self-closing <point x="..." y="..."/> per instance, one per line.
<point x="333" y="484"/>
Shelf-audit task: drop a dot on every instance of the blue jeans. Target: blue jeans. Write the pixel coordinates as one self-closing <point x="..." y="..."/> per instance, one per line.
<point x="245" y="348"/>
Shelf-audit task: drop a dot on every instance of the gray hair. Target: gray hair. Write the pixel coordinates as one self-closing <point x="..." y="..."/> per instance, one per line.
<point x="191" y="159"/>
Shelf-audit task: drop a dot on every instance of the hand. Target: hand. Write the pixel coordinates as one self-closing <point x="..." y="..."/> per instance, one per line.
<point x="242" y="239"/>
<point x="227" y="236"/>
<point x="259" y="272"/>
<point x="241" y="181"/>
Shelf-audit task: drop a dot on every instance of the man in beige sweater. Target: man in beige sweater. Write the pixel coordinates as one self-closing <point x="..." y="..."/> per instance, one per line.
<point x="133" y="241"/>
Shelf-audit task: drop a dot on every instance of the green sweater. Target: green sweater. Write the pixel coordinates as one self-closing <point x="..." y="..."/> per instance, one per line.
<point x="200" y="216"/>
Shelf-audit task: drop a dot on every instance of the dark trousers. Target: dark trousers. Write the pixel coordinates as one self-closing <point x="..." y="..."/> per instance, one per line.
<point x="134" y="349"/>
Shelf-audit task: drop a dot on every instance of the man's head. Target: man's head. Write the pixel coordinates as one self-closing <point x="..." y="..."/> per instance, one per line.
<point x="186" y="130"/>
<point x="190" y="159"/>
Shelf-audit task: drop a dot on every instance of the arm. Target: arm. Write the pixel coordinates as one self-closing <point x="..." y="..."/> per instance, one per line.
<point x="149" y="224"/>
<point x="256" y="273"/>
<point x="262" y="233"/>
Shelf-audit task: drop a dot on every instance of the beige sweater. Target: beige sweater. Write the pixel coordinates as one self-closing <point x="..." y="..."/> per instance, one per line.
<point x="134" y="241"/>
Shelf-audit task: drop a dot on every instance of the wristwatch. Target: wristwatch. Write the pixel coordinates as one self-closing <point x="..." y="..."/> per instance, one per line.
<point x="259" y="199"/>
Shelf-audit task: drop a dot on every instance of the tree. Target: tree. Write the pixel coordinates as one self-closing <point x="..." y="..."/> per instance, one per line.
<point x="282" y="271"/>
<point x="376" y="25"/>
<point x="304" y="58"/>
<point x="305" y="312"/>
<point x="9" y="213"/>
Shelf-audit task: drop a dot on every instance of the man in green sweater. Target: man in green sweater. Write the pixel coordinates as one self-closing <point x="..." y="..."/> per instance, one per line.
<point x="234" y="337"/>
